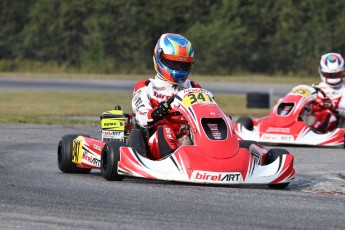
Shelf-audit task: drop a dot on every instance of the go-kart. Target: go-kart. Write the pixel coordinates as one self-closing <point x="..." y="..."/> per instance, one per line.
<point x="289" y="122"/>
<point x="214" y="156"/>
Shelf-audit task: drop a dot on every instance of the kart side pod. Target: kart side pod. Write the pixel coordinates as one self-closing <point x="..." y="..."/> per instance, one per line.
<point x="115" y="125"/>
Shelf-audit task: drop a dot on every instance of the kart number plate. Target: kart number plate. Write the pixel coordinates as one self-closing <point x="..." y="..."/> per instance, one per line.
<point x="196" y="98"/>
<point x="302" y="91"/>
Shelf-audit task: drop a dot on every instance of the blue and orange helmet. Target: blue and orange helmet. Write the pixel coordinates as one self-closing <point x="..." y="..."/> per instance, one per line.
<point x="173" y="57"/>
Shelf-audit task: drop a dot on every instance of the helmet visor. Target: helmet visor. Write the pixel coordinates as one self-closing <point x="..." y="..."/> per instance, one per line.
<point x="179" y="63"/>
<point x="333" y="75"/>
<point x="176" y="65"/>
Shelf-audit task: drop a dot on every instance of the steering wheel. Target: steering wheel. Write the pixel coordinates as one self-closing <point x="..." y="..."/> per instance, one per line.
<point x="324" y="102"/>
<point x="170" y="115"/>
<point x="171" y="99"/>
<point x="318" y="90"/>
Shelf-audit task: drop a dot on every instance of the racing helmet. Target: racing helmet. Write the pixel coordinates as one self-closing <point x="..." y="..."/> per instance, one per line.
<point x="331" y="69"/>
<point x="173" y="58"/>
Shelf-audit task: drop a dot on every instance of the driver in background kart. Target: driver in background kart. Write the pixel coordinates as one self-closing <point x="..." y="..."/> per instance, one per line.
<point x="330" y="109"/>
<point x="173" y="59"/>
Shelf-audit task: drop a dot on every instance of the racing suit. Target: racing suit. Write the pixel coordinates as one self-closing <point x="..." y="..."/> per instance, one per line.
<point x="326" y="120"/>
<point x="146" y="97"/>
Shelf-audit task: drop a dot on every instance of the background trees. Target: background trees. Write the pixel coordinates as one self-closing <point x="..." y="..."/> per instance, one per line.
<point x="261" y="36"/>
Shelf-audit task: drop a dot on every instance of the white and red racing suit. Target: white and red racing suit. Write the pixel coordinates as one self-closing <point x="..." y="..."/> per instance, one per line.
<point x="146" y="97"/>
<point x="327" y="119"/>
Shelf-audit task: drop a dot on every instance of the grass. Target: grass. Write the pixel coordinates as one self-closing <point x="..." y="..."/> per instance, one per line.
<point x="45" y="107"/>
<point x="306" y="79"/>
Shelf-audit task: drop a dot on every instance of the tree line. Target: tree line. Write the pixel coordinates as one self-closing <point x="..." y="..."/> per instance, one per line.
<point x="228" y="36"/>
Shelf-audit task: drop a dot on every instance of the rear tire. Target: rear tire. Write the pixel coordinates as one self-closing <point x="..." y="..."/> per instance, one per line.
<point x="247" y="122"/>
<point x="110" y="159"/>
<point x="64" y="156"/>
<point x="271" y="156"/>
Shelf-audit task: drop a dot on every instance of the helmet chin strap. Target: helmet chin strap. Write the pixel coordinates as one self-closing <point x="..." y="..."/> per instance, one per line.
<point x="335" y="85"/>
<point x="163" y="79"/>
<point x="160" y="77"/>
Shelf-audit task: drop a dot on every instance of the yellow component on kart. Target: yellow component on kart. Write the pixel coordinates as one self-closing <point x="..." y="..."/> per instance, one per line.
<point x="77" y="149"/>
<point x="302" y="91"/>
<point x="196" y="98"/>
<point x="113" y="120"/>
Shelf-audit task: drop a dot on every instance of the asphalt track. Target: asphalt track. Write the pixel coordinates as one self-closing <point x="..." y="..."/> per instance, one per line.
<point x="34" y="194"/>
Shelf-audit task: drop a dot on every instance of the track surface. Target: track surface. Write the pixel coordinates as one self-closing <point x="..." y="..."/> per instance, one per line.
<point x="36" y="195"/>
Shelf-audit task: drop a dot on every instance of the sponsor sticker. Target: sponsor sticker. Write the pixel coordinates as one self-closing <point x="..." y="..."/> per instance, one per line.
<point x="158" y="88"/>
<point x="112" y="134"/>
<point x="278" y="130"/>
<point x="161" y="96"/>
<point x="276" y="137"/>
<point x="97" y="147"/>
<point x="217" y="177"/>
<point x="88" y="159"/>
<point x="113" y="124"/>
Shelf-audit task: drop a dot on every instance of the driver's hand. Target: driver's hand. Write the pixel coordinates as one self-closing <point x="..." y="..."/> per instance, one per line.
<point x="324" y="103"/>
<point x="327" y="103"/>
<point x="162" y="110"/>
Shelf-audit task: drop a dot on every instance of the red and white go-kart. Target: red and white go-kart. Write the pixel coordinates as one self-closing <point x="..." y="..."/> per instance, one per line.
<point x="291" y="121"/>
<point x="215" y="156"/>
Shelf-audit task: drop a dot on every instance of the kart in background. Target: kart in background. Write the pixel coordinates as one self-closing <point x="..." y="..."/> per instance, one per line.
<point x="289" y="122"/>
<point x="215" y="155"/>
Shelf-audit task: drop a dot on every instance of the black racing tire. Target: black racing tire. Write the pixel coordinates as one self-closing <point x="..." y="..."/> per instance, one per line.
<point x="271" y="156"/>
<point x="109" y="160"/>
<point x="247" y="122"/>
<point x="64" y="155"/>
<point x="246" y="143"/>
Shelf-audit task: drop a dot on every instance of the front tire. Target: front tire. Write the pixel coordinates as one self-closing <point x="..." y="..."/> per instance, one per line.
<point x="246" y="143"/>
<point x="247" y="122"/>
<point x="64" y="156"/>
<point x="110" y="159"/>
<point x="271" y="156"/>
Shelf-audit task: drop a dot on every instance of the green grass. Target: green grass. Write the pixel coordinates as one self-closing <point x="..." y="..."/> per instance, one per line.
<point x="45" y="107"/>
<point x="233" y="78"/>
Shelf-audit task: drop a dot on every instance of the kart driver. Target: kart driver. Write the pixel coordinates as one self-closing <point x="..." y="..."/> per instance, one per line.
<point x="173" y="59"/>
<point x="331" y="108"/>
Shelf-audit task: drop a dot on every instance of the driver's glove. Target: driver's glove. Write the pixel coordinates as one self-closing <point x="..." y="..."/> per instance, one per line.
<point x="162" y="110"/>
<point x="327" y="103"/>
<point x="324" y="103"/>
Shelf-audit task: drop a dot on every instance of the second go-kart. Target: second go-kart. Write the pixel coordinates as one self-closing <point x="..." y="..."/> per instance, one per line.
<point x="290" y="122"/>
<point x="215" y="155"/>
